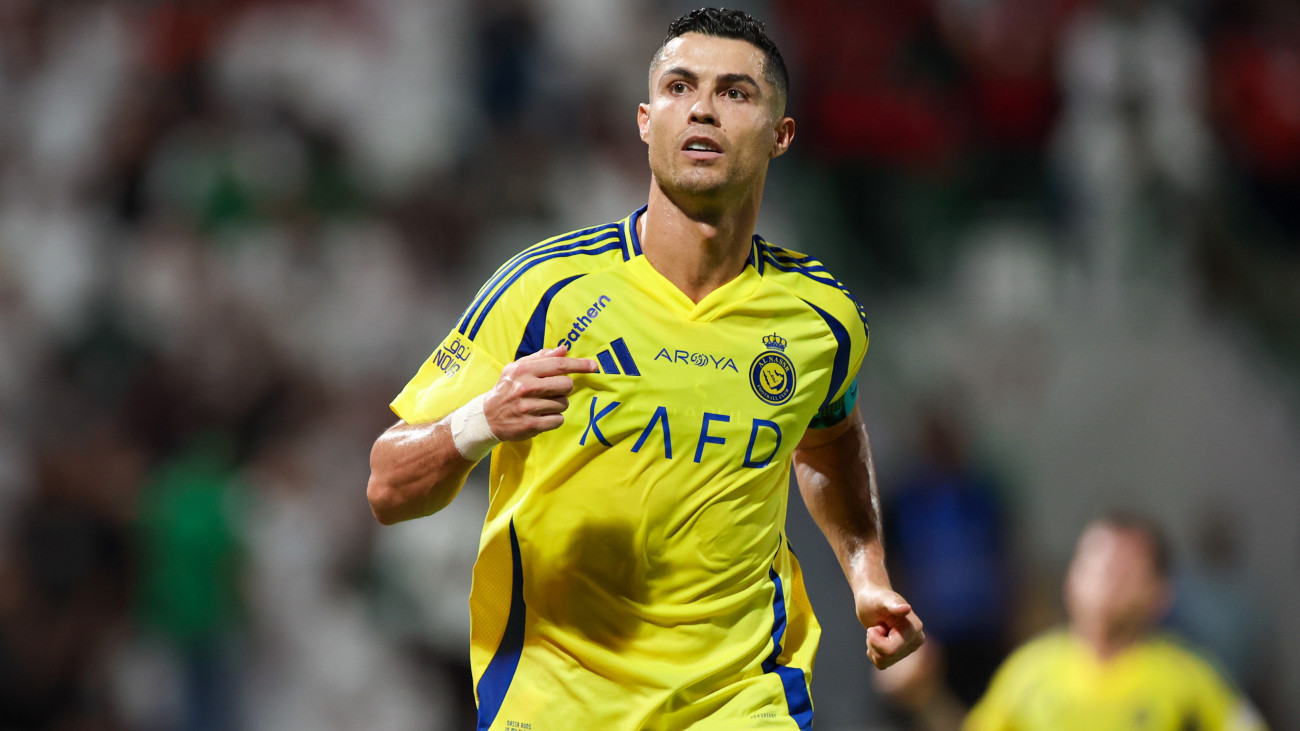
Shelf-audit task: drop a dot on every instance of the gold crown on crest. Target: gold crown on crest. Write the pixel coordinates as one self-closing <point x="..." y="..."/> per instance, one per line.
<point x="774" y="342"/>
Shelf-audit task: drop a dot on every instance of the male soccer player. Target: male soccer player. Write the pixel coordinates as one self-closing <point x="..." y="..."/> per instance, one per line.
<point x="1109" y="669"/>
<point x="644" y="387"/>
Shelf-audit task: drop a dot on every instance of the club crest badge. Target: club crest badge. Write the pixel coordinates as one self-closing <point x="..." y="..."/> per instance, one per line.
<point x="771" y="375"/>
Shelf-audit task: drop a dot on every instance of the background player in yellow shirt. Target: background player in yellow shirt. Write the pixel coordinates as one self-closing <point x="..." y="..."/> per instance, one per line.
<point x="645" y="388"/>
<point x="1109" y="669"/>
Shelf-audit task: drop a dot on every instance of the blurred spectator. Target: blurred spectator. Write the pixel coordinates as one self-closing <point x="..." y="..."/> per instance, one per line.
<point x="1132" y="144"/>
<point x="947" y="538"/>
<point x="507" y="58"/>
<point x="1215" y="606"/>
<point x="190" y="567"/>
<point x="1108" y="668"/>
<point x="877" y="96"/>
<point x="1255" y="65"/>
<point x="1008" y="52"/>
<point x="64" y="584"/>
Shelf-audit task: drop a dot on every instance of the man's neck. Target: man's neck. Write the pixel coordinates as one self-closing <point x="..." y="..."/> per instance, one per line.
<point x="696" y="251"/>
<point x="1107" y="643"/>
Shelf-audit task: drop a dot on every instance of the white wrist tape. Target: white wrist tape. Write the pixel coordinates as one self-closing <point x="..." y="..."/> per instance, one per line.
<point x="470" y="431"/>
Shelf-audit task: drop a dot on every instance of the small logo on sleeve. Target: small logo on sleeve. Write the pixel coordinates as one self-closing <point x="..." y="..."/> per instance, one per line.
<point x="771" y="375"/>
<point x="623" y="356"/>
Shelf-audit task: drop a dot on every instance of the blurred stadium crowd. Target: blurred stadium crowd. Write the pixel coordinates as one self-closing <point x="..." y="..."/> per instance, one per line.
<point x="231" y="229"/>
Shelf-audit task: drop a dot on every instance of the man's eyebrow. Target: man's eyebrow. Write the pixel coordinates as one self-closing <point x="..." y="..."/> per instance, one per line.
<point x="684" y="73"/>
<point x="728" y="79"/>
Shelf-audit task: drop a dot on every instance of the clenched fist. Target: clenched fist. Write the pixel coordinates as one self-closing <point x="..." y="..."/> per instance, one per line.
<point x="893" y="629"/>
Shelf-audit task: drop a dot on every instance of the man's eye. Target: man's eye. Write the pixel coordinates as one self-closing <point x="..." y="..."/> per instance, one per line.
<point x="677" y="87"/>
<point x="736" y="94"/>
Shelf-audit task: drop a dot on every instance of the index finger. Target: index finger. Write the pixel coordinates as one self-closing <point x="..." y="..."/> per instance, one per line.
<point x="557" y="366"/>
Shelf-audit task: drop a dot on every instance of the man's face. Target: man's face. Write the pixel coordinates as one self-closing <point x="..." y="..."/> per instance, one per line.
<point x="713" y="120"/>
<point x="1113" y="582"/>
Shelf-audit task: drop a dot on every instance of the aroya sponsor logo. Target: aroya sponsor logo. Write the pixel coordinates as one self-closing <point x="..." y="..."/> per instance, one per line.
<point x="701" y="360"/>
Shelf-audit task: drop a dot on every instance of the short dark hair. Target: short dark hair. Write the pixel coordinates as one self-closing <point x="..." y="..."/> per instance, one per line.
<point x="737" y="24"/>
<point x="1149" y="529"/>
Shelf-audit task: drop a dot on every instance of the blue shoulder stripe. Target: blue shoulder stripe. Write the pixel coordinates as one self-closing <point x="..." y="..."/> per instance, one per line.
<point x="535" y="330"/>
<point x="843" y="349"/>
<point x="540" y="249"/>
<point x="610" y="243"/>
<point x="811" y="268"/>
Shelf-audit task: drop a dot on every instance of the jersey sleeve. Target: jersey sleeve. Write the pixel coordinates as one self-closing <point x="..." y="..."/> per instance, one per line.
<point x="505" y="321"/>
<point x="457" y="371"/>
<point x="470" y="359"/>
<point x="1218" y="704"/>
<point x="847" y="318"/>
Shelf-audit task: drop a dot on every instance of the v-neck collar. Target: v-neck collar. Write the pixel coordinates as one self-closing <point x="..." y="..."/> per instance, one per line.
<point x="714" y="303"/>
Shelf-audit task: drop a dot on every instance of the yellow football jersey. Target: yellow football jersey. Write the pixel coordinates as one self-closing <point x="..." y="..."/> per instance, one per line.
<point x="1056" y="683"/>
<point x="633" y="571"/>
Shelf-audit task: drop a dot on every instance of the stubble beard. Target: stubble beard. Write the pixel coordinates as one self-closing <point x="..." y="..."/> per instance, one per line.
<point x="699" y="189"/>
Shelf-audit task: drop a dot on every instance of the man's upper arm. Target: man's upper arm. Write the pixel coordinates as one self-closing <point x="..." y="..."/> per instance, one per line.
<point x="815" y="438"/>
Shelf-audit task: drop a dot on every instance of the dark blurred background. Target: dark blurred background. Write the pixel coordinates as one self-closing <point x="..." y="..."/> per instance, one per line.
<point x="231" y="229"/>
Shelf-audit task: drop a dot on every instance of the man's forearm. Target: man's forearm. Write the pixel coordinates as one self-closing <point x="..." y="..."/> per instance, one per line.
<point x="838" y="483"/>
<point x="415" y="470"/>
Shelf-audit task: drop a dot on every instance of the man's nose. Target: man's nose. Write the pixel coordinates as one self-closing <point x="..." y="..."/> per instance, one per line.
<point x="702" y="112"/>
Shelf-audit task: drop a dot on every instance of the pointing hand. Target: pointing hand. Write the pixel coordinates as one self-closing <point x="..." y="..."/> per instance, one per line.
<point x="532" y="394"/>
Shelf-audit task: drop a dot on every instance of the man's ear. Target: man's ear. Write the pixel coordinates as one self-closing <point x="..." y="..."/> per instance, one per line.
<point x="643" y="120"/>
<point x="784" y="136"/>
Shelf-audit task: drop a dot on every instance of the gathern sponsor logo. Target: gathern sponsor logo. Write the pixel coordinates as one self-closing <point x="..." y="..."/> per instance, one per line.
<point x="720" y="363"/>
<point x="771" y="375"/>
<point x="583" y="321"/>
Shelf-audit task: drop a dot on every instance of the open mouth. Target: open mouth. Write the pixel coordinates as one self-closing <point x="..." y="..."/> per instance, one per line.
<point x="702" y="148"/>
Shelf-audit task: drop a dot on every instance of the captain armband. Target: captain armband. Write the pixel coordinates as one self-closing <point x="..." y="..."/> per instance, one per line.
<point x="835" y="412"/>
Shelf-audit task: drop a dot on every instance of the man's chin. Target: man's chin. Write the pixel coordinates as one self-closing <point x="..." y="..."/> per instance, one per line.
<point x="702" y="187"/>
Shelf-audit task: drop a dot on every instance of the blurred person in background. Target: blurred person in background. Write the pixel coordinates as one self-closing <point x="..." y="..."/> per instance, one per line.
<point x="947" y="551"/>
<point x="1109" y="668"/>
<point x="1254" y="56"/>
<point x="1132" y="146"/>
<point x="1217" y="607"/>
<point x="620" y="582"/>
